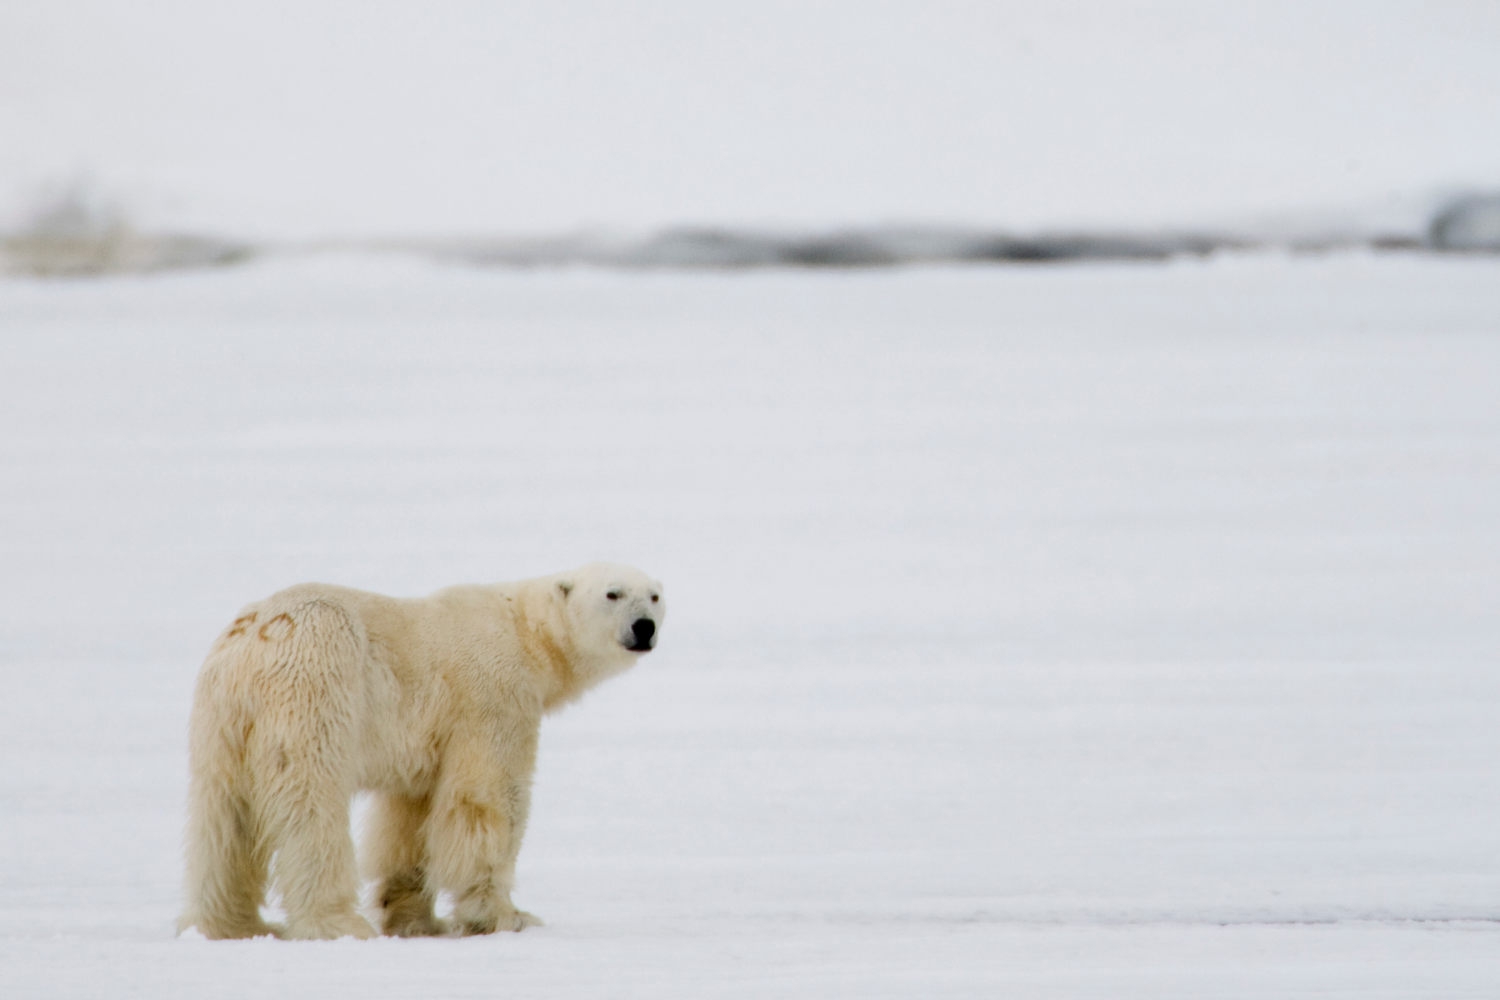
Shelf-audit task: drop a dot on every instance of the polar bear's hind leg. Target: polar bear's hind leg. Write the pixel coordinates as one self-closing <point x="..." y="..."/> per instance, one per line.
<point x="303" y="767"/>
<point x="226" y="857"/>
<point x="274" y="737"/>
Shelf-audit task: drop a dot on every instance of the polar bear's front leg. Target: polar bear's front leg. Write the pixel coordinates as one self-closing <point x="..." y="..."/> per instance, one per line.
<point x="396" y="855"/>
<point x="478" y="817"/>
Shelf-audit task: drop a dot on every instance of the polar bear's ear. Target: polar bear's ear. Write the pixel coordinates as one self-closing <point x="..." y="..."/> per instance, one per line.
<point x="566" y="586"/>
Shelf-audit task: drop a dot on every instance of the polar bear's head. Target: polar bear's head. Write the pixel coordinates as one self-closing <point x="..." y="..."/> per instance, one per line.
<point x="613" y="609"/>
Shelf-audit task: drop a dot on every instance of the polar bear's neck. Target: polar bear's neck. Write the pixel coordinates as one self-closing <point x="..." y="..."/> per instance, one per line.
<point x="567" y="667"/>
<point x="541" y="632"/>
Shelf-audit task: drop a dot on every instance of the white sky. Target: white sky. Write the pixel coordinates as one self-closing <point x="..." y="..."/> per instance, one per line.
<point x="340" y="116"/>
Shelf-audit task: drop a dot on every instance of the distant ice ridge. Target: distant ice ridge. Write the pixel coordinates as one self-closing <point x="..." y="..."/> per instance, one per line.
<point x="712" y="247"/>
<point x="1470" y="223"/>
<point x="79" y="235"/>
<point x="78" y="231"/>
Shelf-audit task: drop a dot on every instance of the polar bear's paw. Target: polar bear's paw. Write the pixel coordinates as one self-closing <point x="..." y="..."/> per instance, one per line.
<point x="407" y="924"/>
<point x="519" y="920"/>
<point x="508" y="919"/>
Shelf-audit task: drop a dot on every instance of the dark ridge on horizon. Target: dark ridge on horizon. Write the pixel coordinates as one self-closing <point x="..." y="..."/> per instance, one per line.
<point x="724" y="248"/>
<point x="69" y="243"/>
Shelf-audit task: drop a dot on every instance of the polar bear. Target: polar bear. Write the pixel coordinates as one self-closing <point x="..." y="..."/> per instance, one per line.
<point x="432" y="703"/>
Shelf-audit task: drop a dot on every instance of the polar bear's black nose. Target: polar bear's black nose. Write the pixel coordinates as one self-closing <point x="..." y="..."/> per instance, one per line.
<point x="644" y="629"/>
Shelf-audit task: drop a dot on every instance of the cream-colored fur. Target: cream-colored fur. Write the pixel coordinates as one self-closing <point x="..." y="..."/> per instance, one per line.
<point x="432" y="703"/>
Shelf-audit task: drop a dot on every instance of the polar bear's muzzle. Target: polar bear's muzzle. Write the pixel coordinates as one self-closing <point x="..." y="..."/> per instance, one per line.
<point x="642" y="636"/>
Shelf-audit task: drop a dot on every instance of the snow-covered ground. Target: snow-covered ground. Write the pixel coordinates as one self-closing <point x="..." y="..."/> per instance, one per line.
<point x="1099" y="631"/>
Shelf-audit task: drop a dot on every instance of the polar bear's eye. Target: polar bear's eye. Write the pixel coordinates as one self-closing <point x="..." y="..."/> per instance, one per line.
<point x="613" y="595"/>
<point x="655" y="598"/>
